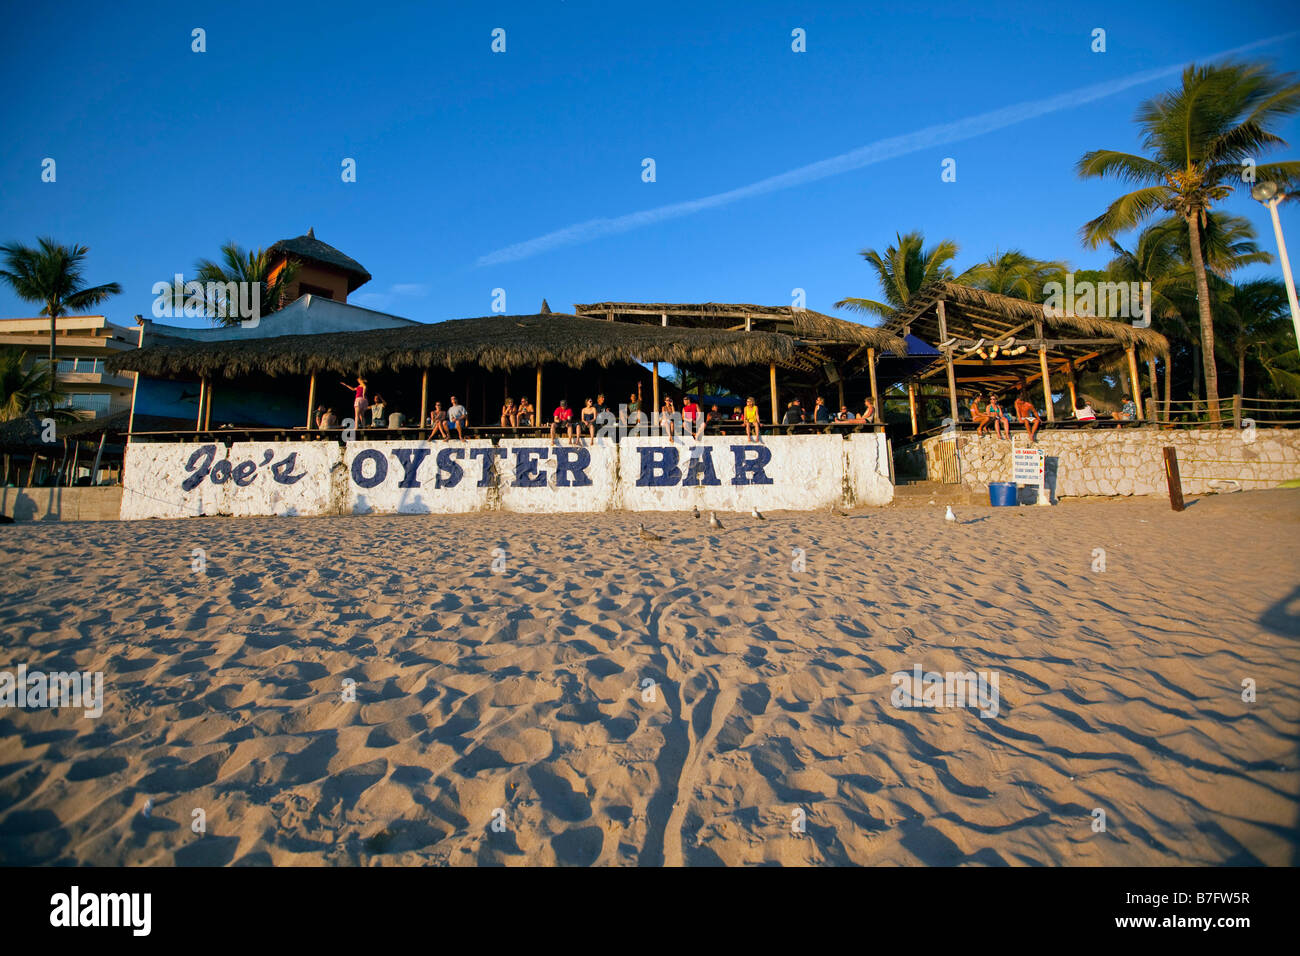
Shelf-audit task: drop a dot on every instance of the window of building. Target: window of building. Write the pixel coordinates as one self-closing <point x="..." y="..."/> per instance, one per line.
<point x="305" y="289"/>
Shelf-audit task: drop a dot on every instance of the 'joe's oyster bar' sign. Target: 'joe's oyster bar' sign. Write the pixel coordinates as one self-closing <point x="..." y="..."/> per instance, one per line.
<point x="803" y="472"/>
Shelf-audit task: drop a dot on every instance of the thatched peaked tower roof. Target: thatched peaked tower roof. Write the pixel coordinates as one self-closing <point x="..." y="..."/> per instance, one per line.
<point x="975" y="314"/>
<point x="803" y="324"/>
<point x="311" y="249"/>
<point x="492" y="342"/>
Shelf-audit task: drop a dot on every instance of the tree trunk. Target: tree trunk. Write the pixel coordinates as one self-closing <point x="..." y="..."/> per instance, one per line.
<point x="49" y="306"/>
<point x="1207" y="321"/>
<point x="1241" y="372"/>
<point x="1169" y="384"/>
<point x="1197" y="368"/>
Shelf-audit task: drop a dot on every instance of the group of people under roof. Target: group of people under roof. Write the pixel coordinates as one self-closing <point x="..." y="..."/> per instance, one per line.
<point x="986" y="411"/>
<point x="691" y="420"/>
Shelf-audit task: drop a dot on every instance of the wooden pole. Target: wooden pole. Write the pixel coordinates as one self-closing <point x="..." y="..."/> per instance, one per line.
<point x="1137" y="383"/>
<point x="207" y="415"/>
<point x="1046" y="375"/>
<point x="537" y="411"/>
<point x="947" y="359"/>
<point x="76" y="453"/>
<point x="654" y="392"/>
<point x="839" y="381"/>
<point x="1173" y="479"/>
<point x="875" y="392"/>
<point x="31" y="475"/>
<point x="311" y="401"/>
<point x="203" y="387"/>
<point x="771" y="371"/>
<point x="1069" y="373"/>
<point x="911" y="403"/>
<point x="1236" y="411"/>
<point x="424" y="398"/>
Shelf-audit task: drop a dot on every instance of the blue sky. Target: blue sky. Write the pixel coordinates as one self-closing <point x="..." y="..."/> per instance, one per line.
<point x="464" y="154"/>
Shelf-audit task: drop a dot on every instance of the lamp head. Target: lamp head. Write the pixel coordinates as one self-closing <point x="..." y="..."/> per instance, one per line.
<point x="1264" y="191"/>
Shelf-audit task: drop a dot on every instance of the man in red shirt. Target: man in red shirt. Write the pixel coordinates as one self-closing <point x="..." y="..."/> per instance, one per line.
<point x="563" y="418"/>
<point x="691" y="417"/>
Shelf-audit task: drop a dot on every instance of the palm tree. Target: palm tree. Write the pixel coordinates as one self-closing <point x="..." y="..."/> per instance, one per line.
<point x="901" y="271"/>
<point x="51" y="275"/>
<point x="1200" y="138"/>
<point x="26" y="387"/>
<point x="247" y="267"/>
<point x="1013" y="274"/>
<point x="1258" y="315"/>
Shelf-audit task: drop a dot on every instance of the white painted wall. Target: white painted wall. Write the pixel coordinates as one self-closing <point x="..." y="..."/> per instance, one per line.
<point x="803" y="472"/>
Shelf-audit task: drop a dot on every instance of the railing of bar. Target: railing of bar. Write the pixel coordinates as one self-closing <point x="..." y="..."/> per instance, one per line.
<point x="1233" y="411"/>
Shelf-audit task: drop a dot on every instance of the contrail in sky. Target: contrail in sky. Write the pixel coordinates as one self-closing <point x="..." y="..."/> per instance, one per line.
<point x="876" y="152"/>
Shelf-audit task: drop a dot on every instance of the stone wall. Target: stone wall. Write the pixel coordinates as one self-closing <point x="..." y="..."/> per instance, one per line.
<point x="102" y="503"/>
<point x="641" y="473"/>
<point x="1130" y="461"/>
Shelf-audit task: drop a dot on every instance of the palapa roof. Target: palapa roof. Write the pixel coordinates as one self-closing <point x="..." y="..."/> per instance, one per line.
<point x="494" y="342"/>
<point x="974" y="314"/>
<point x="803" y="324"/>
<point x="311" y="249"/>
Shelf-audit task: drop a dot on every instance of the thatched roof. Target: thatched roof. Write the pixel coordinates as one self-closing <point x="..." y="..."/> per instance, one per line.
<point x="311" y="249"/>
<point x="974" y="314"/>
<point x="492" y="342"/>
<point x="803" y="324"/>
<point x="25" y="433"/>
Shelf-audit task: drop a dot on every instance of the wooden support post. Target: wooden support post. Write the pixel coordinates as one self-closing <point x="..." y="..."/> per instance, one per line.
<point x="1069" y="381"/>
<point x="839" y="383"/>
<point x="203" y="387"/>
<point x="76" y="453"/>
<point x="31" y="474"/>
<point x="911" y="403"/>
<point x="537" y="410"/>
<point x="1173" y="479"/>
<point x="776" y="407"/>
<point x="654" y="393"/>
<point x="207" y="413"/>
<point x="1236" y="412"/>
<point x="1137" y="383"/>
<point x="947" y="358"/>
<point x="875" y="392"/>
<point x="424" y="398"/>
<point x="1046" y="374"/>
<point x="311" y="402"/>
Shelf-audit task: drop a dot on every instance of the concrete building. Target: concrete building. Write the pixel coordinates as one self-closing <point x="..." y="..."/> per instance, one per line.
<point x="82" y="342"/>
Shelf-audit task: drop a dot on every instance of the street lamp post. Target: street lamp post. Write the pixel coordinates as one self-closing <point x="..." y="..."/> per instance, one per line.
<point x="1269" y="194"/>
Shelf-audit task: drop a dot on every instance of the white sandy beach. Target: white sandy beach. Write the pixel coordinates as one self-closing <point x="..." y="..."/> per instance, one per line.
<point x="522" y="691"/>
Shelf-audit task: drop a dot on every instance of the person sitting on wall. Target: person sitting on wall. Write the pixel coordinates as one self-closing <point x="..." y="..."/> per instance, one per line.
<point x="438" y="420"/>
<point x="604" y="416"/>
<point x="750" y="415"/>
<point x="396" y="420"/>
<point x="793" y="416"/>
<point x="1083" y="411"/>
<point x="329" y="420"/>
<point x="457" y="418"/>
<point x="692" y="418"/>
<point x="868" y="412"/>
<point x="527" y="414"/>
<point x="979" y="415"/>
<point x="377" y="409"/>
<point x="843" y="414"/>
<point x="562" y="418"/>
<point x="320" y="416"/>
<point x="1127" y="411"/>
<point x="1027" y="415"/>
<point x="509" y="414"/>
<point x="1000" y="424"/>
<point x="588" y="421"/>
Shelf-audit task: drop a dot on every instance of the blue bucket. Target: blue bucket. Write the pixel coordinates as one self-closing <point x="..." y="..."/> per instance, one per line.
<point x="1002" y="494"/>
